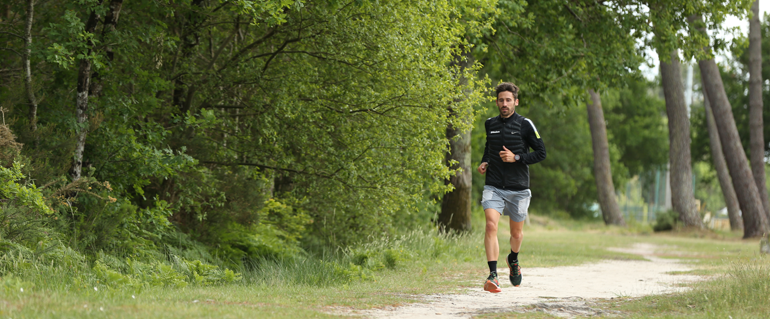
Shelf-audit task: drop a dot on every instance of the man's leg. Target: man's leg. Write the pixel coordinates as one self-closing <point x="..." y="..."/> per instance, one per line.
<point x="493" y="249"/>
<point x="490" y="237"/>
<point x="517" y="235"/>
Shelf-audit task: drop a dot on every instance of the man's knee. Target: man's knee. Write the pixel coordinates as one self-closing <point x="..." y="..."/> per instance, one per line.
<point x="491" y="227"/>
<point x="517" y="235"/>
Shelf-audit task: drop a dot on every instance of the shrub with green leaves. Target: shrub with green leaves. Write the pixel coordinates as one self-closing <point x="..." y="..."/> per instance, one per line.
<point x="666" y="220"/>
<point x="178" y="273"/>
<point x="14" y="193"/>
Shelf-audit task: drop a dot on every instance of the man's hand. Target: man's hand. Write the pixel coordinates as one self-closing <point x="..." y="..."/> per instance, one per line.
<point x="483" y="168"/>
<point x="507" y="155"/>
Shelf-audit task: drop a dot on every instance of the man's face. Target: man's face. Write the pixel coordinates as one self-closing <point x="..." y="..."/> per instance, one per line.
<point x="506" y="103"/>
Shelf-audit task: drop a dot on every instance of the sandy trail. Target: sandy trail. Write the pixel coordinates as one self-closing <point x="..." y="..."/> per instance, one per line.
<point x="562" y="291"/>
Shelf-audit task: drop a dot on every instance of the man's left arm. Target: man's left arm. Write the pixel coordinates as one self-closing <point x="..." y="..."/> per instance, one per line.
<point x="532" y="137"/>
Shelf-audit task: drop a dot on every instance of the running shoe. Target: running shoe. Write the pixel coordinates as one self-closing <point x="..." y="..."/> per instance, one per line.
<point x="515" y="272"/>
<point x="492" y="285"/>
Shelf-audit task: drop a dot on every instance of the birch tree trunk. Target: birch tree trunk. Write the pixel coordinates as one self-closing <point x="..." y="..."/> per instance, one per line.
<point x="731" y="200"/>
<point x="84" y="84"/>
<point x="602" y="170"/>
<point x="27" y="68"/>
<point x="682" y="198"/>
<point x="756" y="127"/>
<point x="81" y="102"/>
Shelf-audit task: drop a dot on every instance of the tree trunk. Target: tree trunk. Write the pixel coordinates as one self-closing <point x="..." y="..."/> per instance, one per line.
<point x="733" y="209"/>
<point x="83" y="86"/>
<point x="27" y="68"/>
<point x="602" y="170"/>
<point x="754" y="219"/>
<point x="456" y="205"/>
<point x="110" y="23"/>
<point x="757" y="139"/>
<point x="682" y="198"/>
<point x="755" y="222"/>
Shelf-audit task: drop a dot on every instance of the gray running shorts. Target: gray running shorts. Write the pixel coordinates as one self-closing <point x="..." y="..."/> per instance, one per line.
<point x="507" y="202"/>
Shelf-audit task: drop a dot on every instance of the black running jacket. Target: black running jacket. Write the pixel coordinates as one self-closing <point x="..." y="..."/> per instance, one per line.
<point x="518" y="134"/>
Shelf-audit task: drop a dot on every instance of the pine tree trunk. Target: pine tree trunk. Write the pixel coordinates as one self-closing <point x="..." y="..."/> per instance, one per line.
<point x="602" y="170"/>
<point x="754" y="219"/>
<point x="755" y="222"/>
<point x="682" y="198"/>
<point x="733" y="209"/>
<point x="756" y="127"/>
<point x="456" y="205"/>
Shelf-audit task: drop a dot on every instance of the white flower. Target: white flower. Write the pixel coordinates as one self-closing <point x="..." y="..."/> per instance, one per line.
<point x="22" y="289"/>
<point x="132" y="296"/>
<point x="101" y="309"/>
<point x="96" y="289"/>
<point x="194" y="301"/>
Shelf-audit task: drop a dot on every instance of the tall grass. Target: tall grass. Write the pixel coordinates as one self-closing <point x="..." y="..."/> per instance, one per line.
<point x="364" y="261"/>
<point x="61" y="268"/>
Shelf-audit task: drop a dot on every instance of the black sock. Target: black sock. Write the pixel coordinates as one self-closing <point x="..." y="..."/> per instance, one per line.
<point x="513" y="256"/>
<point x="492" y="266"/>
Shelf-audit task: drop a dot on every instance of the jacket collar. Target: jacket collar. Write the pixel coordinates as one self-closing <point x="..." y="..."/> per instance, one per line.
<point x="505" y="120"/>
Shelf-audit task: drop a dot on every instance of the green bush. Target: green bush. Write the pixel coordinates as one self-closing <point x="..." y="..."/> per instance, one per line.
<point x="21" y="195"/>
<point x="666" y="221"/>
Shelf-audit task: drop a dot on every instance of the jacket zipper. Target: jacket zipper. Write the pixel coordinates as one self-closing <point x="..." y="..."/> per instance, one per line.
<point x="501" y="159"/>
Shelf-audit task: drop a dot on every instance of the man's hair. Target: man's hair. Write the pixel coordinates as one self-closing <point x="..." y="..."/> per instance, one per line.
<point x="507" y="86"/>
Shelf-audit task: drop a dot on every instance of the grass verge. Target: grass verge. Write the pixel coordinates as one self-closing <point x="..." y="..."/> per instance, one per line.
<point x="388" y="272"/>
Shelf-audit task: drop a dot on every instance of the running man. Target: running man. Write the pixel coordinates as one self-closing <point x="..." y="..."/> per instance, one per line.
<point x="506" y="190"/>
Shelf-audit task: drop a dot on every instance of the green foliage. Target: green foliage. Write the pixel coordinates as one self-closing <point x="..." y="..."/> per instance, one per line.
<point x="670" y="18"/>
<point x="141" y="275"/>
<point x="273" y="232"/>
<point x="50" y="258"/>
<point x="365" y="261"/>
<point x="21" y="195"/>
<point x="636" y="126"/>
<point x="201" y="111"/>
<point x="555" y="49"/>
<point x="21" y="225"/>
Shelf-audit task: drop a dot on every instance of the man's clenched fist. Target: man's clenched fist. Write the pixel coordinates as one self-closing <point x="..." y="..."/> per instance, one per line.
<point x="507" y="155"/>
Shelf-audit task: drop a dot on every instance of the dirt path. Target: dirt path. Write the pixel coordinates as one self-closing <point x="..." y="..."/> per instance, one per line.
<point x="561" y="291"/>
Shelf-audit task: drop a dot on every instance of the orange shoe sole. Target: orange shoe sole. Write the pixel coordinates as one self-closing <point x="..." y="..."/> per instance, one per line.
<point x="491" y="287"/>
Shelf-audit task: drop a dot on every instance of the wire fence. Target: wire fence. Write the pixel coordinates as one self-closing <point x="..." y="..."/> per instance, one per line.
<point x="646" y="196"/>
